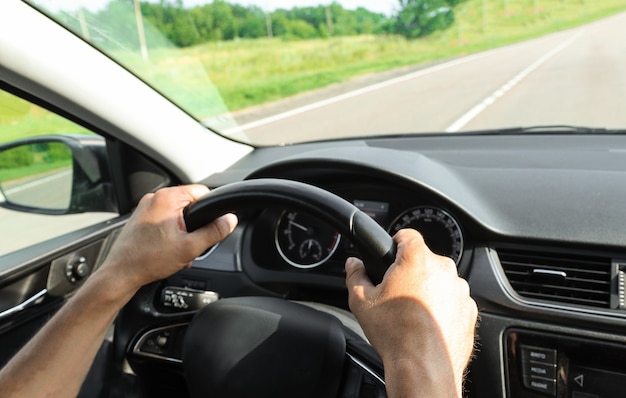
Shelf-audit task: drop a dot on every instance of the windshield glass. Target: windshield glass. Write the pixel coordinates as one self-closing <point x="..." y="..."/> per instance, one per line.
<point x="283" y="72"/>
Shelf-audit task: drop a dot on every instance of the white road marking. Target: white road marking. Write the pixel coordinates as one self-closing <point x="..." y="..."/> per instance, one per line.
<point x="23" y="187"/>
<point x="361" y="91"/>
<point x="475" y="111"/>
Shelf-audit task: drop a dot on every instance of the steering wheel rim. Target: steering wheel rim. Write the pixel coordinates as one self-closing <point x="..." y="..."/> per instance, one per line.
<point x="376" y="247"/>
<point x="234" y="337"/>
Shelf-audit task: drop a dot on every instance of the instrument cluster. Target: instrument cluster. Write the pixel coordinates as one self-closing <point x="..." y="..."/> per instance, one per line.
<point x="290" y="239"/>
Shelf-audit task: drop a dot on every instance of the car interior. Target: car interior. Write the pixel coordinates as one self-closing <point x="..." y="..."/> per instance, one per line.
<point x="533" y="221"/>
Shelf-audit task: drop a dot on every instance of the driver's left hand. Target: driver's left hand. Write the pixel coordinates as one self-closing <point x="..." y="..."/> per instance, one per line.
<point x="155" y="243"/>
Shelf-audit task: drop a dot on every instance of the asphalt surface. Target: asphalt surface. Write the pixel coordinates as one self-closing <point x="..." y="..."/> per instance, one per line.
<point x="574" y="77"/>
<point x="47" y="190"/>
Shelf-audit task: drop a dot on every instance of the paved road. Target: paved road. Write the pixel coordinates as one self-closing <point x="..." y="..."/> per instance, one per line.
<point x="572" y="77"/>
<point x="48" y="190"/>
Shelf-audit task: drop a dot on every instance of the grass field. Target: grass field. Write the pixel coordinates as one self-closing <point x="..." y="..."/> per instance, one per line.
<point x="251" y="72"/>
<point x="254" y="72"/>
<point x="19" y="118"/>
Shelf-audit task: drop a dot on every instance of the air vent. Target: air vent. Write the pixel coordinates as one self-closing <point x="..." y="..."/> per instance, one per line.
<point x="572" y="279"/>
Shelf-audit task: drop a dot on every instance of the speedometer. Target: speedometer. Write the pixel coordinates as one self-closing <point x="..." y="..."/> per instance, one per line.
<point x="440" y="230"/>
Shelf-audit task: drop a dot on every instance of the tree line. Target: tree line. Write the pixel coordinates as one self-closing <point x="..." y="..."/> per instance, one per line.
<point x="221" y="20"/>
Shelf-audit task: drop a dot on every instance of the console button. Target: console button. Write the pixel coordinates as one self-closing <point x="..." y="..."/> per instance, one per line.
<point x="545" y="370"/>
<point x="539" y="384"/>
<point x="538" y="354"/>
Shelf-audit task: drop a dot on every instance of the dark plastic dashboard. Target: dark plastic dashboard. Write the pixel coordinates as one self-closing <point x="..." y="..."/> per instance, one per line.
<point x="540" y="218"/>
<point x="552" y="199"/>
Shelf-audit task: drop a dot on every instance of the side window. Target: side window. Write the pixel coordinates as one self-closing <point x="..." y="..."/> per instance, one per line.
<point x="53" y="175"/>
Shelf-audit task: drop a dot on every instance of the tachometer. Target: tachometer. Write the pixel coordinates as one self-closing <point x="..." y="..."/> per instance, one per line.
<point x="304" y="241"/>
<point x="441" y="232"/>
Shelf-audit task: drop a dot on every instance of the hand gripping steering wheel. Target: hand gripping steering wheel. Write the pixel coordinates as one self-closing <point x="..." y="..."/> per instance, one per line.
<point x="260" y="346"/>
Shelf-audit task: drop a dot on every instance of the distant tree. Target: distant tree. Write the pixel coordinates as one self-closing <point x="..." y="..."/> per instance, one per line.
<point x="220" y="20"/>
<point x="419" y="18"/>
<point x="280" y="23"/>
<point x="250" y="21"/>
<point x="292" y="28"/>
<point x="202" y="18"/>
<point x="368" y="22"/>
<point x="344" y="21"/>
<point x="17" y="157"/>
<point x="299" y="28"/>
<point x="172" y="20"/>
<point x="223" y="20"/>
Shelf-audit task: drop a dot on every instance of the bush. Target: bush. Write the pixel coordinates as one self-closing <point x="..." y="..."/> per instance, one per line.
<point x="20" y="156"/>
<point x="419" y="18"/>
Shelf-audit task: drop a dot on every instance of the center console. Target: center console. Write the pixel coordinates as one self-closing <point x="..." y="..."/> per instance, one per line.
<point x="542" y="364"/>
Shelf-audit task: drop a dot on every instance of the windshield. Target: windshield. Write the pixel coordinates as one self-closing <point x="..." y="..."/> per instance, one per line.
<point x="283" y="72"/>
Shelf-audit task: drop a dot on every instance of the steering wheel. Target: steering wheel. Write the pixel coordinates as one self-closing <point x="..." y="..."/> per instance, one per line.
<point x="261" y="346"/>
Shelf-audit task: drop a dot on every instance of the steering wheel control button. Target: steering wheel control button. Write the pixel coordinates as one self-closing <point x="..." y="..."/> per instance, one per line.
<point x="185" y="299"/>
<point x="163" y="343"/>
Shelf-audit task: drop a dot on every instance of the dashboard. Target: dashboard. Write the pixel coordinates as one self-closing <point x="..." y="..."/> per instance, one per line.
<point x="533" y="224"/>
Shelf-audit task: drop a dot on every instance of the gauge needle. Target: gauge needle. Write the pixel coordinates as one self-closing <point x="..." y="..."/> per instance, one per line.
<point x="302" y="227"/>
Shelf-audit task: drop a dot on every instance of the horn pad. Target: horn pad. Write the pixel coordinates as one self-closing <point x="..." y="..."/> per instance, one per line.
<point x="263" y="347"/>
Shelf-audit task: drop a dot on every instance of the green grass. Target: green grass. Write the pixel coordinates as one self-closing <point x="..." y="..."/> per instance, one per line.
<point x="9" y="175"/>
<point x="19" y="119"/>
<point x="252" y="72"/>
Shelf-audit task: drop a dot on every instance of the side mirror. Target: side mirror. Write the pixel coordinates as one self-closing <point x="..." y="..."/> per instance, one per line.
<point x="58" y="174"/>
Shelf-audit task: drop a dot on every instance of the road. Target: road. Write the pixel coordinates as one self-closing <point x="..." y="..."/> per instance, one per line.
<point x="575" y="77"/>
<point x="47" y="190"/>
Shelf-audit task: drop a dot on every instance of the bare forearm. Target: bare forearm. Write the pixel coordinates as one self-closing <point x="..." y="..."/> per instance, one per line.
<point x="57" y="360"/>
<point x="418" y="379"/>
<point x="153" y="245"/>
